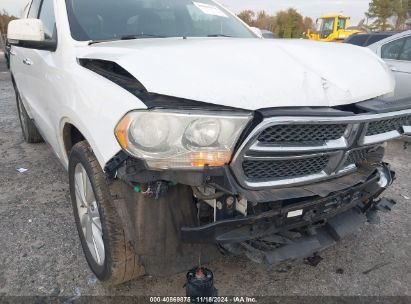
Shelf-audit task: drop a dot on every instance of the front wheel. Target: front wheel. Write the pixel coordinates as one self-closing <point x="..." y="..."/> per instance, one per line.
<point x="108" y="253"/>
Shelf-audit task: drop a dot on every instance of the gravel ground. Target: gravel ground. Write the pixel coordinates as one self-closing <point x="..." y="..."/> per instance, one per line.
<point x="40" y="253"/>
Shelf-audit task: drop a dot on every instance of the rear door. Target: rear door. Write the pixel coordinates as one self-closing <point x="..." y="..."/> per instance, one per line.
<point x="39" y="73"/>
<point x="19" y="66"/>
<point x="397" y="54"/>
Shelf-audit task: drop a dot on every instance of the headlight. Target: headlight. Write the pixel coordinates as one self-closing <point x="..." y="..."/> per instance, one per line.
<point x="167" y="140"/>
<point x="149" y="133"/>
<point x="203" y="132"/>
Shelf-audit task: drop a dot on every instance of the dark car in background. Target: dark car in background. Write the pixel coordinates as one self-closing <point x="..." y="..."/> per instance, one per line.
<point x="6" y="47"/>
<point x="368" y="38"/>
<point x="268" y="34"/>
<point x="7" y="55"/>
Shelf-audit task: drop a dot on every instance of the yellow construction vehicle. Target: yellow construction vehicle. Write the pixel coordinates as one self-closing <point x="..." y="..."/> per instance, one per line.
<point x="334" y="28"/>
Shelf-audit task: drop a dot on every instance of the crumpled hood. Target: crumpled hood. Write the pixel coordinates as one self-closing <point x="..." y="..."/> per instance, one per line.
<point x="250" y="73"/>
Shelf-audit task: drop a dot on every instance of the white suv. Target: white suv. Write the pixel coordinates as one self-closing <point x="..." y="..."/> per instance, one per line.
<point x="179" y="126"/>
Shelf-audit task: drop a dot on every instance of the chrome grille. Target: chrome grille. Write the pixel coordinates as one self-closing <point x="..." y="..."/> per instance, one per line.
<point x="274" y="169"/>
<point x="290" y="151"/>
<point x="302" y="133"/>
<point x="356" y="156"/>
<point x="388" y="125"/>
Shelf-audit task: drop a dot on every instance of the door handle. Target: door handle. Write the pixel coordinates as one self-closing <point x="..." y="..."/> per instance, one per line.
<point x="27" y="61"/>
<point x="13" y="53"/>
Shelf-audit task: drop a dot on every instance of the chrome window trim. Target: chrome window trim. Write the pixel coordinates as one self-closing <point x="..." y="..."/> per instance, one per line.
<point x="355" y="135"/>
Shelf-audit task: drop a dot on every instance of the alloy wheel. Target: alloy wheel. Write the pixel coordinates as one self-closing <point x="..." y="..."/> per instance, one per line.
<point x="89" y="214"/>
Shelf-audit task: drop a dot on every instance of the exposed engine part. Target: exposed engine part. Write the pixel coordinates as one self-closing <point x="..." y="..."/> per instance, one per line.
<point x="264" y="219"/>
<point x="200" y="284"/>
<point x="225" y="206"/>
<point x="156" y="189"/>
<point x="208" y="196"/>
<point x="241" y="206"/>
<point x="206" y="193"/>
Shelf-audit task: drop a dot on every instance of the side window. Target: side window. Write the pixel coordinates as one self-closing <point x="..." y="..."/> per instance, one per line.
<point x="406" y="50"/>
<point x="34" y="9"/>
<point x="48" y="18"/>
<point x="341" y="24"/>
<point x="392" y="49"/>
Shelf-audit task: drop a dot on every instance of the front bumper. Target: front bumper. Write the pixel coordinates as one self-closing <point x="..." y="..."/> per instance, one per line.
<point x="315" y="211"/>
<point x="273" y="238"/>
<point x="319" y="239"/>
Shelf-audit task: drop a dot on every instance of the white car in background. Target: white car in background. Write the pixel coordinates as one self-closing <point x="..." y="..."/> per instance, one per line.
<point x="179" y="126"/>
<point x="396" y="52"/>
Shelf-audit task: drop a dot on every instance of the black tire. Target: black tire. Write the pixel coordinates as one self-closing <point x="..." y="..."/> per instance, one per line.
<point x="28" y="128"/>
<point x="121" y="264"/>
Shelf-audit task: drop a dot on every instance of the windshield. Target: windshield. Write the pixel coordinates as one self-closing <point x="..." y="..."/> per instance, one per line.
<point x="129" y="19"/>
<point x="327" y="27"/>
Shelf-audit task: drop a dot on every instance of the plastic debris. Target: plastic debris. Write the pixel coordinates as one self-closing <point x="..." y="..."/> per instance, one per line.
<point x="92" y="281"/>
<point x="406" y="197"/>
<point x="22" y="170"/>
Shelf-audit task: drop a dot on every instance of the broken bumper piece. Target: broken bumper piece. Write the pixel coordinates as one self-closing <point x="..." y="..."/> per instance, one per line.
<point x="340" y="226"/>
<point x="273" y="237"/>
<point x="287" y="248"/>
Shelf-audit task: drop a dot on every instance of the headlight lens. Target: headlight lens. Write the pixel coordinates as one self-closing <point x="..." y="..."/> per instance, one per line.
<point x="149" y="133"/>
<point x="203" y="132"/>
<point x="167" y="140"/>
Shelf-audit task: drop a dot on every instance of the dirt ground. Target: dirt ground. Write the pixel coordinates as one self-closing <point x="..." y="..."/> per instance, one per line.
<point x="40" y="252"/>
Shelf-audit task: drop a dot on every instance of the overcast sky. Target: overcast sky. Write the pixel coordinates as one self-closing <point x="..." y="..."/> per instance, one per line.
<point x="312" y="8"/>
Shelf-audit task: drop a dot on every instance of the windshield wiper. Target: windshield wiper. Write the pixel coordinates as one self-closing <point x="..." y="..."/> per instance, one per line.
<point x="218" y="35"/>
<point x="127" y="37"/>
<point x="101" y="41"/>
<point x="130" y="37"/>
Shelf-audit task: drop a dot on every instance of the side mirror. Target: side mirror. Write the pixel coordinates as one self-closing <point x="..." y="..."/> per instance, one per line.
<point x="29" y="33"/>
<point x="257" y="31"/>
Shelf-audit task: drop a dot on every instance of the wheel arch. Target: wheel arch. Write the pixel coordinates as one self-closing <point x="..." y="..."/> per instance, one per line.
<point x="70" y="134"/>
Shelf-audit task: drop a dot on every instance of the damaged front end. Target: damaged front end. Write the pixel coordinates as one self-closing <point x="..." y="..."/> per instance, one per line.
<point x="299" y="181"/>
<point x="274" y="232"/>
